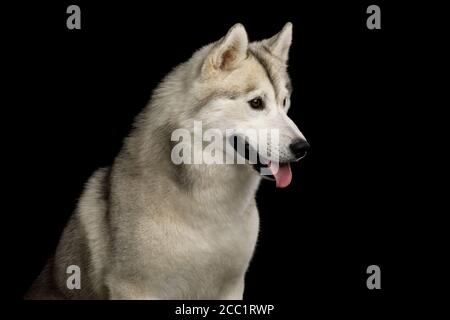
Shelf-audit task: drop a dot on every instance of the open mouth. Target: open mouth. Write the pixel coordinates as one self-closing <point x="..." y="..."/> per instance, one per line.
<point x="279" y="172"/>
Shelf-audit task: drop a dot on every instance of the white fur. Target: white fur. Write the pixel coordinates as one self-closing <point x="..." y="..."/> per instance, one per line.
<point x="148" y="229"/>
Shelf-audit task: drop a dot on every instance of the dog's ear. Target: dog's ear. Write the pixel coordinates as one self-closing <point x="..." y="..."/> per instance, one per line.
<point x="280" y="43"/>
<point x="228" y="51"/>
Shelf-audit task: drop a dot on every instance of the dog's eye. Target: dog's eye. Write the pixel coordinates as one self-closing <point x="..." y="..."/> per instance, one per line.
<point x="284" y="102"/>
<point x="256" y="103"/>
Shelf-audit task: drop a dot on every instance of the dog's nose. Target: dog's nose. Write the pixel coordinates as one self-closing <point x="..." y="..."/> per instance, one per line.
<point x="299" y="148"/>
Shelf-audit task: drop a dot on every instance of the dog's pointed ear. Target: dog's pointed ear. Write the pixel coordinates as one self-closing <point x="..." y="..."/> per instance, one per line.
<point x="280" y="43"/>
<point x="228" y="51"/>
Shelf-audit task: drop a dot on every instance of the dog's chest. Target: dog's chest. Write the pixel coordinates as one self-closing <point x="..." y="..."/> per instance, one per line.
<point x="225" y="240"/>
<point x="208" y="256"/>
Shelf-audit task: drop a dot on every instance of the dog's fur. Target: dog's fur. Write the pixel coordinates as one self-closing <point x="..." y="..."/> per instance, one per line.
<point x="146" y="228"/>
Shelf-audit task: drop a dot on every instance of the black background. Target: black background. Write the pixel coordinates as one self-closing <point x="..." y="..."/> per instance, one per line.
<point x="351" y="201"/>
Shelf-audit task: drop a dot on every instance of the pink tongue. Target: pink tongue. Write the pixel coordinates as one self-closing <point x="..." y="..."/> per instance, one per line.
<point x="283" y="175"/>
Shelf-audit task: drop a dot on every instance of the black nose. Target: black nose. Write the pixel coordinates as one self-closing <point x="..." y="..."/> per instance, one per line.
<point x="299" y="148"/>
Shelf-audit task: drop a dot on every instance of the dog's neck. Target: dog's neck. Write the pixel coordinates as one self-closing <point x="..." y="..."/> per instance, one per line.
<point x="148" y="154"/>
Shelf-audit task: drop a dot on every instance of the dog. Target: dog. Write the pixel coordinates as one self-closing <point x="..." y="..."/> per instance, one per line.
<point x="147" y="228"/>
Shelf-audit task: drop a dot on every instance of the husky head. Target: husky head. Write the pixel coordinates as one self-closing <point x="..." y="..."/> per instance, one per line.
<point x="238" y="87"/>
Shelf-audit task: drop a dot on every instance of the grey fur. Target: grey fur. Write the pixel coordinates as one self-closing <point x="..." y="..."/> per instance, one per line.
<point x="145" y="228"/>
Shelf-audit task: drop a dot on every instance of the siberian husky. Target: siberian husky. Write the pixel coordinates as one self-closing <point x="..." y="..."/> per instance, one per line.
<point x="148" y="228"/>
